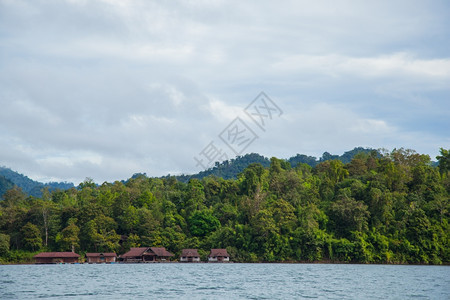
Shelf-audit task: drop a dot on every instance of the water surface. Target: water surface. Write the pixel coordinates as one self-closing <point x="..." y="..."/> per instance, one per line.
<point x="224" y="281"/>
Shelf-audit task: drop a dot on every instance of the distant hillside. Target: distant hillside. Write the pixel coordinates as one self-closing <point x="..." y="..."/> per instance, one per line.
<point x="5" y="184"/>
<point x="347" y="156"/>
<point x="28" y="186"/>
<point x="229" y="169"/>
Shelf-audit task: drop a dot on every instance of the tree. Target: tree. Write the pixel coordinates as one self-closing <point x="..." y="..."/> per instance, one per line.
<point x="202" y="223"/>
<point x="444" y="160"/>
<point x="87" y="183"/>
<point x="31" y="237"/>
<point x="357" y="166"/>
<point x="99" y="234"/>
<point x="309" y="238"/>
<point x="196" y="196"/>
<point x="43" y="211"/>
<point x="5" y="185"/>
<point x="132" y="240"/>
<point x="147" y="222"/>
<point x="266" y="234"/>
<point x="4" y="244"/>
<point x="349" y="215"/>
<point x="333" y="170"/>
<point x="129" y="219"/>
<point x="254" y="179"/>
<point x="13" y="197"/>
<point x="68" y="238"/>
<point x="283" y="215"/>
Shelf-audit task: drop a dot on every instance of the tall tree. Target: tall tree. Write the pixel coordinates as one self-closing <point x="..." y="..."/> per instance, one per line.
<point x="444" y="160"/>
<point x="68" y="238"/>
<point x="4" y="244"/>
<point x="31" y="237"/>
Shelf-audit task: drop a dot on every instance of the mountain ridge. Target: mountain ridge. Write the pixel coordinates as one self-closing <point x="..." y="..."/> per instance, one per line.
<point x="28" y="186"/>
<point x="228" y="169"/>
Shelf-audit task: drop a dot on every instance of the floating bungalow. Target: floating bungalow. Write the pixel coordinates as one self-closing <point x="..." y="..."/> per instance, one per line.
<point x="189" y="255"/>
<point x="218" y="255"/>
<point x="99" y="258"/>
<point x="146" y="254"/>
<point x="56" y="258"/>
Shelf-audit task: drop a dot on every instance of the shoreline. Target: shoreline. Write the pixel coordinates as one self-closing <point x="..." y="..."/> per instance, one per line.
<point x="262" y="262"/>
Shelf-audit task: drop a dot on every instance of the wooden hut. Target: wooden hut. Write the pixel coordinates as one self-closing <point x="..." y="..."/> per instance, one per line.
<point x="218" y="255"/>
<point x="98" y="258"/>
<point x="146" y="254"/>
<point x="189" y="255"/>
<point x="56" y="258"/>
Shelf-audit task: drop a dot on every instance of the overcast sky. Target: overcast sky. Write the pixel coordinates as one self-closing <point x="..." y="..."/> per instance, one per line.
<point x="106" y="89"/>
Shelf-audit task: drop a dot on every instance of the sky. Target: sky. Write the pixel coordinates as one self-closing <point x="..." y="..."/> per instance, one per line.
<point x="104" y="89"/>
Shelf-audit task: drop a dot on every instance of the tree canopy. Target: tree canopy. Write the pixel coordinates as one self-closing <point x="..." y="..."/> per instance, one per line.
<point x="390" y="207"/>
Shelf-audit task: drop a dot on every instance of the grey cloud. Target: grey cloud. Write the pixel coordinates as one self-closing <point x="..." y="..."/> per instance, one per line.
<point x="108" y="88"/>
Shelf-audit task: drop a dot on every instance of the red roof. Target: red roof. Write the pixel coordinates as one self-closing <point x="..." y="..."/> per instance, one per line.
<point x="158" y="251"/>
<point x="101" y="254"/>
<point x="161" y="251"/>
<point x="189" y="253"/>
<point x="135" y="252"/>
<point x="219" y="252"/>
<point x="56" y="255"/>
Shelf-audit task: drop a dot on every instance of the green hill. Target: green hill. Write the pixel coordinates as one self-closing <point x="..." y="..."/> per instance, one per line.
<point x="384" y="208"/>
<point x="5" y="184"/>
<point x="229" y="169"/>
<point x="28" y="186"/>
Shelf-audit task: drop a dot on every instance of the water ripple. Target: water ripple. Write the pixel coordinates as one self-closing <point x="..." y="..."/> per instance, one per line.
<point x="224" y="281"/>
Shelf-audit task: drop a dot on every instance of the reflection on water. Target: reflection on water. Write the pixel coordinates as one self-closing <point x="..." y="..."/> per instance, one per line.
<point x="224" y="281"/>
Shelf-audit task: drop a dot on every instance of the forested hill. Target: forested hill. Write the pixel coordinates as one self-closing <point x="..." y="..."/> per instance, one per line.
<point x="10" y="178"/>
<point x="229" y="169"/>
<point x="5" y="184"/>
<point x="378" y="208"/>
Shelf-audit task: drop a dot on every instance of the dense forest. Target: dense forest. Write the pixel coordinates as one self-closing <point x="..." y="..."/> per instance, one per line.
<point x="390" y="207"/>
<point x="229" y="169"/>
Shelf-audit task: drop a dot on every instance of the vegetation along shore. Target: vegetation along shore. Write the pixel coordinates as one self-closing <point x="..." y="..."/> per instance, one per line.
<point x="378" y="207"/>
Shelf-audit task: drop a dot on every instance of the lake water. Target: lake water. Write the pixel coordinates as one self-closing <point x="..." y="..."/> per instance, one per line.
<point x="224" y="281"/>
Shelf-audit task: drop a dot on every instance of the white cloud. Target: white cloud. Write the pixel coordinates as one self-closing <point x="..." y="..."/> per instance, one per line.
<point x="371" y="126"/>
<point x="400" y="64"/>
<point x="223" y="111"/>
<point x="388" y="66"/>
